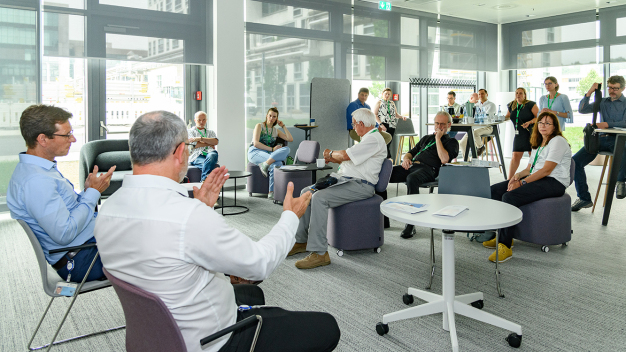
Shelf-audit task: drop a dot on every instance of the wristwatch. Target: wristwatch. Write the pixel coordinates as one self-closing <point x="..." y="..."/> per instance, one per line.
<point x="524" y="182"/>
<point x="330" y="154"/>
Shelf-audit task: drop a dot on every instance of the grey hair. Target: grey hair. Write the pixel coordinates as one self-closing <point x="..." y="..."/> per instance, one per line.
<point x="195" y="116"/>
<point x="617" y="79"/>
<point x="446" y="114"/>
<point x="154" y="136"/>
<point x="364" y="115"/>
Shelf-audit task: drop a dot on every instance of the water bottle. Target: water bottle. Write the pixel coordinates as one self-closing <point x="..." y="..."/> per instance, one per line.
<point x="499" y="114"/>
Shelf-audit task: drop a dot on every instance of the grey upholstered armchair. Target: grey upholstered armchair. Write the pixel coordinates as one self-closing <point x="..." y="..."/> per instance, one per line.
<point x="105" y="153"/>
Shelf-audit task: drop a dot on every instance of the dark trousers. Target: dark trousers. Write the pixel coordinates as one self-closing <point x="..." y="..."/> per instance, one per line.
<point x="82" y="261"/>
<point x="391" y="131"/>
<point x="416" y="175"/>
<point x="547" y="187"/>
<point x="282" y="330"/>
<point x="582" y="159"/>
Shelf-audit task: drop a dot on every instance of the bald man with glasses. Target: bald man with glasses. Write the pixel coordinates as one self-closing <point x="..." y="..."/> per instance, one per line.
<point x="42" y="197"/>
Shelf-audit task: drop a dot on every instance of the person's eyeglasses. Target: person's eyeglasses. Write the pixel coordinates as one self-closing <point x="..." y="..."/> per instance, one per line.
<point x="69" y="135"/>
<point x="545" y="123"/>
<point x="548" y="84"/>
<point x="186" y="145"/>
<point x="354" y="124"/>
<point x="615" y="89"/>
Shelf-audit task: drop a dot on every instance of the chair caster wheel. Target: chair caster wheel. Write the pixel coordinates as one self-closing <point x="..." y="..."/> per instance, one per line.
<point x="407" y="299"/>
<point x="340" y="252"/>
<point x="478" y="304"/>
<point x="545" y="249"/>
<point x="377" y="250"/>
<point x="382" y="329"/>
<point x="514" y="340"/>
<point x="564" y="244"/>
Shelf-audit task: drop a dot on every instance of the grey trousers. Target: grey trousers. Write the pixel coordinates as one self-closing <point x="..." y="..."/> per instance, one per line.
<point x="312" y="227"/>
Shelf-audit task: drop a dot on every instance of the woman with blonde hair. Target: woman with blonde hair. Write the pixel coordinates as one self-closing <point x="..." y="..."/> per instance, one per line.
<point x="555" y="102"/>
<point x="523" y="114"/>
<point x="387" y="115"/>
<point x="547" y="175"/>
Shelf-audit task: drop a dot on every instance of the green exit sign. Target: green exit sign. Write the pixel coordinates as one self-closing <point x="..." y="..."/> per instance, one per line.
<point x="384" y="5"/>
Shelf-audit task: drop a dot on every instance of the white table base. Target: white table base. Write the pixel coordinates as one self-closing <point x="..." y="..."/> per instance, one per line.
<point x="448" y="303"/>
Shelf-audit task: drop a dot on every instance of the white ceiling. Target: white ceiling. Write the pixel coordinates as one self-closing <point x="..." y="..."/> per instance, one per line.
<point x="503" y="11"/>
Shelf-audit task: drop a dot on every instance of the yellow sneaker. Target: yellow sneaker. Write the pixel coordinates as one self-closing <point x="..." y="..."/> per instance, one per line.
<point x="504" y="254"/>
<point x="492" y="243"/>
<point x="313" y="260"/>
<point x="297" y="248"/>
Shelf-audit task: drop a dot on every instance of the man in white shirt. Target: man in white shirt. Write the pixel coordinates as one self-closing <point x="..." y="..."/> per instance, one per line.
<point x="151" y="235"/>
<point x="357" y="178"/>
<point x="490" y="109"/>
<point x="203" y="142"/>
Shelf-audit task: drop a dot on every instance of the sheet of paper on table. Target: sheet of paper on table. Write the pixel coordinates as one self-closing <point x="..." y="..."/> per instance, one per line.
<point x="293" y="167"/>
<point x="451" y="210"/>
<point x="476" y="163"/>
<point x="406" y="207"/>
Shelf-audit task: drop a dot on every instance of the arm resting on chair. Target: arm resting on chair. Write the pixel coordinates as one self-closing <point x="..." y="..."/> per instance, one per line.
<point x="248" y="321"/>
<point x="74" y="248"/>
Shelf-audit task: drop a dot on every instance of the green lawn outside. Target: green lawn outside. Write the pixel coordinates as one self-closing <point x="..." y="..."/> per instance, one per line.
<point x="6" y="170"/>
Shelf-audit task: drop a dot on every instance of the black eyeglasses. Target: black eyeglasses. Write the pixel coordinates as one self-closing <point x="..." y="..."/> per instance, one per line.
<point x="69" y="135"/>
<point x="186" y="145"/>
<point x="615" y="89"/>
<point x="544" y="123"/>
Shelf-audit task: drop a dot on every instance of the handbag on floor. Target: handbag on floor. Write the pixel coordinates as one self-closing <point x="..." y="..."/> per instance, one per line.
<point x="591" y="138"/>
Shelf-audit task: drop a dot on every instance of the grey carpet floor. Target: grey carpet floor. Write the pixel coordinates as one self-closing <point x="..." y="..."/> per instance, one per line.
<point x="570" y="299"/>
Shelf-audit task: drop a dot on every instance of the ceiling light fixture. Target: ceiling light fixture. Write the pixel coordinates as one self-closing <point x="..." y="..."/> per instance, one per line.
<point x="504" y="7"/>
<point x="531" y="15"/>
<point x="481" y="4"/>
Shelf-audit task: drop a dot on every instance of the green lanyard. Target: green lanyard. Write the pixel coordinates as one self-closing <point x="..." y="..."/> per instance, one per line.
<point x="535" y="161"/>
<point x="518" y="110"/>
<point x="426" y="147"/>
<point x="551" y="101"/>
<point x="389" y="110"/>
<point x="201" y="135"/>
<point x="373" y="131"/>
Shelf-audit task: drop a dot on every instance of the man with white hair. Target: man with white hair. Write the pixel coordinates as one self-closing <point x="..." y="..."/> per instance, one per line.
<point x="203" y="142"/>
<point x="421" y="164"/>
<point x="357" y="177"/>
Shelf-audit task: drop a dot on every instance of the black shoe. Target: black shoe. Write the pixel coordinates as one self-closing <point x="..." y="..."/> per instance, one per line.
<point x="579" y="204"/>
<point x="480" y="151"/>
<point x="408" y="231"/>
<point x="620" y="192"/>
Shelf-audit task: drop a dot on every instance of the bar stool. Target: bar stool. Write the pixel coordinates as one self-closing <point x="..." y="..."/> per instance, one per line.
<point x="608" y="159"/>
<point x="400" y="150"/>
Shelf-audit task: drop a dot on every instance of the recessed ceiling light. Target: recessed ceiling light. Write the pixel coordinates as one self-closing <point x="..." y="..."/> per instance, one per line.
<point x="531" y="15"/>
<point x="481" y="4"/>
<point x="610" y="2"/>
<point x="504" y="7"/>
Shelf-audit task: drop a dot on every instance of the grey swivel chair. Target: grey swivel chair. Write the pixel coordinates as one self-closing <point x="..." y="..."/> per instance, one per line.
<point x="105" y="153"/>
<point x="307" y="153"/>
<point x="50" y="278"/>
<point x="547" y="221"/>
<point x="257" y="183"/>
<point x="151" y="326"/>
<point x="359" y="225"/>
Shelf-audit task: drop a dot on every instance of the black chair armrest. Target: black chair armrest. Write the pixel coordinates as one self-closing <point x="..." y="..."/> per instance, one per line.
<point x="70" y="249"/>
<point x="248" y="321"/>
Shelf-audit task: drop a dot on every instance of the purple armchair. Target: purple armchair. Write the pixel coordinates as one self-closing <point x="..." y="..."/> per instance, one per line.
<point x="547" y="221"/>
<point x="359" y="225"/>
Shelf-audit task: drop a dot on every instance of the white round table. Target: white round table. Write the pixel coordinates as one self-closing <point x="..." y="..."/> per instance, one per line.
<point x="482" y="214"/>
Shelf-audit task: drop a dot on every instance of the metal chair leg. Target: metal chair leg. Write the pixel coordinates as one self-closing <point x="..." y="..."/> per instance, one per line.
<point x="595" y="201"/>
<point x="432" y="259"/>
<point x="67" y="312"/>
<point x="498" y="270"/>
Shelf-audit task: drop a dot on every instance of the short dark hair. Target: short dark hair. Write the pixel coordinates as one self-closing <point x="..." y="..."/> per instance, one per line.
<point x="616" y="79"/>
<point x="364" y="90"/>
<point x="452" y="93"/>
<point x="484" y="90"/>
<point x="39" y="118"/>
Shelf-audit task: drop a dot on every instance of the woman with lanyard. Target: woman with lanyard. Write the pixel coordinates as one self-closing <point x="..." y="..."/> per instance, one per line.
<point x="547" y="175"/>
<point x="555" y="102"/>
<point x="523" y="114"/>
<point x="264" y="150"/>
<point x="387" y="115"/>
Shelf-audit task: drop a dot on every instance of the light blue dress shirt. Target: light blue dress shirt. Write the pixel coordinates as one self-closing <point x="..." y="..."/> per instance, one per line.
<point x="47" y="202"/>
<point x="560" y="104"/>
<point x="611" y="112"/>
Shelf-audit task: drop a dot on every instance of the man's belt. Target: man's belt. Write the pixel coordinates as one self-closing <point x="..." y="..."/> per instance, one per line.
<point x="360" y="180"/>
<point x="64" y="259"/>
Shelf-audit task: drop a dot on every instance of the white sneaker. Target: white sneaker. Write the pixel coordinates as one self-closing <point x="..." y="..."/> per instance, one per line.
<point x="270" y="195"/>
<point x="263" y="166"/>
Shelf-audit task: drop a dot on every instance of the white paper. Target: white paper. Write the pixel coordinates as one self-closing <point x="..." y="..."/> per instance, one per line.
<point x="293" y="167"/>
<point x="406" y="207"/>
<point x="451" y="210"/>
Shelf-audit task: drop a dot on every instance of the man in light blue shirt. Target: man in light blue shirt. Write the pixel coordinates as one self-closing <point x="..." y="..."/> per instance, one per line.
<point x="40" y="195"/>
<point x="613" y="114"/>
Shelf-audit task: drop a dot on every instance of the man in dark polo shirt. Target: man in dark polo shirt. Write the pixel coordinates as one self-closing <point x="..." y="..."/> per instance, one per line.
<point x="421" y="164"/>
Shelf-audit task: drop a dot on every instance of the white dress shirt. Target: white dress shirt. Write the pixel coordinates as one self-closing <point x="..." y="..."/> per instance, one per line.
<point x="366" y="158"/>
<point x="151" y="235"/>
<point x="488" y="107"/>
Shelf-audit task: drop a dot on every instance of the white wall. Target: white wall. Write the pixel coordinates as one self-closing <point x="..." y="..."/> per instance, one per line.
<point x="227" y="83"/>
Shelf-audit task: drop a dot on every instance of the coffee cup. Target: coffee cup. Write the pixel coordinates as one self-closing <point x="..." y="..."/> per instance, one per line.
<point x="321" y="162"/>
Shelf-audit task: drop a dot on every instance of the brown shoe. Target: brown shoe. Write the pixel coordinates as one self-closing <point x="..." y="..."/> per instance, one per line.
<point x="297" y="248"/>
<point x="313" y="260"/>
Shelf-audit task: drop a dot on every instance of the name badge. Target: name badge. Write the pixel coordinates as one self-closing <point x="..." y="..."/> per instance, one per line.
<point x="66" y="289"/>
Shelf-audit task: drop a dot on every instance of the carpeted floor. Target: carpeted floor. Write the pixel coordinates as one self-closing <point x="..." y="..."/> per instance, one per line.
<point x="570" y="299"/>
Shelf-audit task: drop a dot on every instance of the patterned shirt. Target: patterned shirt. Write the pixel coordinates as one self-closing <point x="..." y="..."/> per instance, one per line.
<point x="195" y="133"/>
<point x="387" y="113"/>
